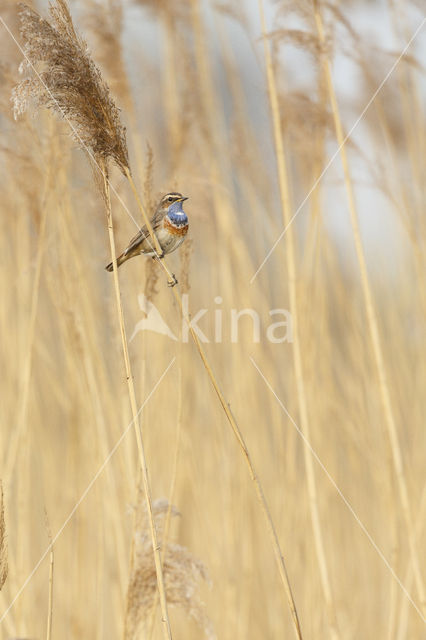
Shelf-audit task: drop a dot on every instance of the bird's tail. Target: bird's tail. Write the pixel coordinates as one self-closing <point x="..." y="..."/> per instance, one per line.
<point x="120" y="260"/>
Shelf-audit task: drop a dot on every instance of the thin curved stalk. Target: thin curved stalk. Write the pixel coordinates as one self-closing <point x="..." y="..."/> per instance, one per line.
<point x="147" y="221"/>
<point x="235" y="428"/>
<point x="168" y="518"/>
<point x="141" y="451"/>
<point x="258" y="487"/>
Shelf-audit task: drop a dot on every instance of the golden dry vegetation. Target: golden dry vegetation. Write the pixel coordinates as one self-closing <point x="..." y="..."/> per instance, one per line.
<point x="248" y="115"/>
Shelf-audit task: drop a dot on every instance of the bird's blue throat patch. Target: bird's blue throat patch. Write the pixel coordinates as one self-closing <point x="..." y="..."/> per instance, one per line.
<point x="177" y="215"/>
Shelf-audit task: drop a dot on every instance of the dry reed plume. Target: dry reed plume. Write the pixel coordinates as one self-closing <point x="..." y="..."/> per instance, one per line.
<point x="38" y="31"/>
<point x="182" y="574"/>
<point x="252" y="144"/>
<point x="68" y="82"/>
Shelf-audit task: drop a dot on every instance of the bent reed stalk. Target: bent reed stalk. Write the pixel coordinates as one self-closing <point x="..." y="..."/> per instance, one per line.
<point x="258" y="486"/>
<point x="72" y="86"/>
<point x="132" y="395"/>
<point x="237" y="432"/>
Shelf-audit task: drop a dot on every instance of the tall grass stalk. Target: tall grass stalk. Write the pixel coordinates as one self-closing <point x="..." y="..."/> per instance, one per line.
<point x="217" y="162"/>
<point x="166" y="532"/>
<point x="258" y="487"/>
<point x="4" y="565"/>
<point x="401" y="632"/>
<point x="19" y="432"/>
<point x="235" y="428"/>
<point x="74" y="87"/>
<point x="193" y="88"/>
<point x="50" y="590"/>
<point x="256" y="481"/>
<point x="141" y="451"/>
<point x="372" y="321"/>
<point x="297" y="355"/>
<point x="94" y="374"/>
<point x="156" y="244"/>
<point x="4" y="561"/>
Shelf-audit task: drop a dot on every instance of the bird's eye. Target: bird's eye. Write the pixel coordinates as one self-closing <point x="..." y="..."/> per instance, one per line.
<point x="170" y="198"/>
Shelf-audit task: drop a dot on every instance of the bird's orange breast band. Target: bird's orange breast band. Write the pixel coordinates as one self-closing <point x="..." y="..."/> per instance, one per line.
<point x="174" y="229"/>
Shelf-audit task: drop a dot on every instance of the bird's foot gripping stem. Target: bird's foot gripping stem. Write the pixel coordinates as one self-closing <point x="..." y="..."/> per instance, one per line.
<point x="173" y="281"/>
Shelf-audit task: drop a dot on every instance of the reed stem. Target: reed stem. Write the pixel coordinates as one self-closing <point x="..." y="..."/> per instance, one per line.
<point x="50" y="599"/>
<point x="372" y="322"/>
<point x="297" y="355"/>
<point x="235" y="428"/>
<point x="141" y="451"/>
<point x="144" y="214"/>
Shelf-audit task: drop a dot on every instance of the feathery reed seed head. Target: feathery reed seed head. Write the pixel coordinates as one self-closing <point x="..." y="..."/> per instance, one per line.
<point x="182" y="574"/>
<point x="66" y="80"/>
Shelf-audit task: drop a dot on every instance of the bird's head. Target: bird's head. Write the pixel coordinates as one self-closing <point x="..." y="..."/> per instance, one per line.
<point x="172" y="202"/>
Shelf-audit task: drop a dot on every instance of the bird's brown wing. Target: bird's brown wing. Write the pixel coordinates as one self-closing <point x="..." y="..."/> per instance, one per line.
<point x="136" y="240"/>
<point x="143" y="233"/>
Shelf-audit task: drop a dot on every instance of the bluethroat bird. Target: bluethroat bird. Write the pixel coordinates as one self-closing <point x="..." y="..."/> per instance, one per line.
<point x="170" y="225"/>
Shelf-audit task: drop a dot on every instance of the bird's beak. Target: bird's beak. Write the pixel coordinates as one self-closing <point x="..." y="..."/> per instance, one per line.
<point x="184" y="198"/>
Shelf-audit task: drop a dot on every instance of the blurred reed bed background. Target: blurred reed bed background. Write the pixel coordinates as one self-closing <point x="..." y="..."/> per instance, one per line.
<point x="196" y="87"/>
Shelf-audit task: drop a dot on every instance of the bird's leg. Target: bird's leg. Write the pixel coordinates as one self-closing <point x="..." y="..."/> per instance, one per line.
<point x="173" y="281"/>
<point x="158" y="256"/>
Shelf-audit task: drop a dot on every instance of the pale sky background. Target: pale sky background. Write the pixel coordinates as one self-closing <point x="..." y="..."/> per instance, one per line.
<point x="371" y="19"/>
